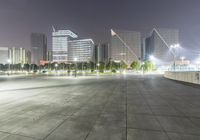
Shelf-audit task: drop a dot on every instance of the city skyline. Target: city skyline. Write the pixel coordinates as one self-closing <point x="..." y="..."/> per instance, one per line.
<point x="100" y="69"/>
<point x="142" y="16"/>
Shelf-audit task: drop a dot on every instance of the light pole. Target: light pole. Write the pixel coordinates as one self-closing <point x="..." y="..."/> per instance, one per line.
<point x="56" y="66"/>
<point x="182" y="58"/>
<point x="169" y="47"/>
<point x="22" y="66"/>
<point x="173" y="50"/>
<point x="182" y="62"/>
<point x="143" y="68"/>
<point x="121" y="62"/>
<point x="63" y="67"/>
<point x="9" y="62"/>
<point x="75" y="60"/>
<point x="98" y="67"/>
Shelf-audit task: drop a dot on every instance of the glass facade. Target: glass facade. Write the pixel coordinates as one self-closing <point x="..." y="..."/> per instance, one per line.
<point x="82" y="50"/>
<point x="18" y="56"/>
<point x="60" y="40"/>
<point x="38" y="48"/>
<point x="3" y="55"/>
<point x="120" y="52"/>
<point x="159" y="42"/>
<point x="102" y="53"/>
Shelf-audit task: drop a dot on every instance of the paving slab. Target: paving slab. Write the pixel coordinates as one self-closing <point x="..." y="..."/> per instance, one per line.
<point x="147" y="107"/>
<point x="137" y="134"/>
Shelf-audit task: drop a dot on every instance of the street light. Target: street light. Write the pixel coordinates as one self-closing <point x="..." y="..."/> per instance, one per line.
<point x="75" y="59"/>
<point x="9" y="62"/>
<point x="22" y="66"/>
<point x="143" y="67"/>
<point x="175" y="46"/>
<point x="122" y="58"/>
<point x="151" y="57"/>
<point x="56" y="65"/>
<point x="98" y="67"/>
<point x="182" y="58"/>
<point x="169" y="47"/>
<point x="173" y="50"/>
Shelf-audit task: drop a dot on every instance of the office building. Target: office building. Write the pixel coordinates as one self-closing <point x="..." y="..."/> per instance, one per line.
<point x="126" y="46"/>
<point x="28" y="57"/>
<point x="102" y="53"/>
<point x="38" y="48"/>
<point x="80" y="50"/>
<point x="3" y="55"/>
<point x="18" y="55"/>
<point x="60" y="40"/>
<point x="49" y="56"/>
<point x="158" y="44"/>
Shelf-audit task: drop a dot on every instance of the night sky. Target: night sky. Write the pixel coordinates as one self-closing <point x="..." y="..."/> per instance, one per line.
<point x="94" y="18"/>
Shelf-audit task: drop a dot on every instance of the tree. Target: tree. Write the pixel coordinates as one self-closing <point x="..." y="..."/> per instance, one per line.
<point x="101" y="67"/>
<point x="136" y="65"/>
<point x="148" y="66"/>
<point x="2" y="67"/>
<point x="115" y="66"/>
<point x="26" y="67"/>
<point x="34" y="67"/>
<point x="91" y="66"/>
<point x="108" y="65"/>
<point x="123" y="65"/>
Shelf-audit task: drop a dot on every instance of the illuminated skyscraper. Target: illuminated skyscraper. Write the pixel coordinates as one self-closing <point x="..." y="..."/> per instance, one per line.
<point x="60" y="40"/>
<point x="159" y="42"/>
<point x="82" y="50"/>
<point x="19" y="55"/>
<point x="102" y="53"/>
<point x="120" y="52"/>
<point x="3" y="55"/>
<point x="38" y="48"/>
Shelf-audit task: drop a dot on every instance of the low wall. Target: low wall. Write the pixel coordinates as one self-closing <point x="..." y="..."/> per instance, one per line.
<point x="190" y="77"/>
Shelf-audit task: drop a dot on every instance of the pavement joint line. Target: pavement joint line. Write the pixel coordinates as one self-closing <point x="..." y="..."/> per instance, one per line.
<point x="154" y="85"/>
<point x="56" y="127"/>
<point x="68" y="118"/>
<point x="184" y="115"/>
<point x="160" y="115"/>
<point x="187" y="117"/>
<point x="61" y="123"/>
<point x="126" y="110"/>
<point x="154" y="115"/>
<point x="151" y="130"/>
<point x="18" y="135"/>
<point x="145" y="129"/>
<point x="102" y="111"/>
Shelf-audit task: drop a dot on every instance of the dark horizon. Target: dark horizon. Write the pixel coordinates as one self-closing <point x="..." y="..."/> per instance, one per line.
<point x="94" y="19"/>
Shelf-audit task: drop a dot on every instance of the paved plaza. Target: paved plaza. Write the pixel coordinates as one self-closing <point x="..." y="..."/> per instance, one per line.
<point x="129" y="107"/>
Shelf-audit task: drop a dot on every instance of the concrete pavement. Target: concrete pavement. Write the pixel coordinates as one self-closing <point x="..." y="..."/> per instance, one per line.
<point x="98" y="108"/>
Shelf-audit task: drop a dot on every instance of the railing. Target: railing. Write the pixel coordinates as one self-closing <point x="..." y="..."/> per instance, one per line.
<point x="185" y="76"/>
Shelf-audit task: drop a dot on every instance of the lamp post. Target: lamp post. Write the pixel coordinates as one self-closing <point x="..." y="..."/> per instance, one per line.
<point x="9" y="62"/>
<point x="75" y="60"/>
<point x="182" y="58"/>
<point x="98" y="67"/>
<point x="143" y="68"/>
<point x="22" y="66"/>
<point x="110" y="62"/>
<point x="121" y="62"/>
<point x="182" y="62"/>
<point x="56" y="66"/>
<point x="173" y="49"/>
